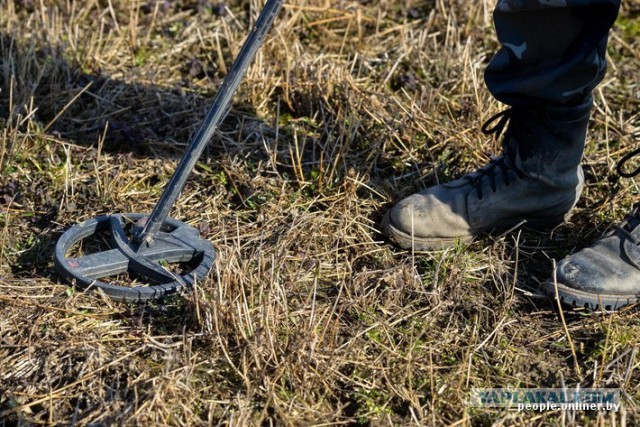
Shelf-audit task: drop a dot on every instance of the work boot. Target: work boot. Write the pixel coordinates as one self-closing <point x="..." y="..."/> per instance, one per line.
<point x="537" y="179"/>
<point x="607" y="274"/>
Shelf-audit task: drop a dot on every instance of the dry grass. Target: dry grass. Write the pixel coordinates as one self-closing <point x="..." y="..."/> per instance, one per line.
<point x="310" y="317"/>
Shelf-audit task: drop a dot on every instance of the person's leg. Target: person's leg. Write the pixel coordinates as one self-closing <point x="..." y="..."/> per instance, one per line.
<point x="552" y="58"/>
<point x="553" y="51"/>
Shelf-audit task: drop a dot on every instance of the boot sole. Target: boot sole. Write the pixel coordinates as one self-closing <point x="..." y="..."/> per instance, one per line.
<point x="576" y="298"/>
<point x="407" y="241"/>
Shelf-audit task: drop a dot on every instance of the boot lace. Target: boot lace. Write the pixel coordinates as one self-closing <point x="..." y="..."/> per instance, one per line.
<point x="494" y="126"/>
<point x="632" y="219"/>
<point x="621" y="165"/>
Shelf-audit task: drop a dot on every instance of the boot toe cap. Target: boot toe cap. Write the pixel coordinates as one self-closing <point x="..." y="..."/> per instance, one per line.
<point x="428" y="216"/>
<point x="599" y="270"/>
<point x="584" y="271"/>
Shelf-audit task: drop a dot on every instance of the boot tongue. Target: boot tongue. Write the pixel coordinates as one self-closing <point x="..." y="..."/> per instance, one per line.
<point x="512" y="157"/>
<point x="514" y="152"/>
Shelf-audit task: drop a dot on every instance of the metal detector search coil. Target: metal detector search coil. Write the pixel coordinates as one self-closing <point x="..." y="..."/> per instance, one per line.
<point x="175" y="243"/>
<point x="144" y="245"/>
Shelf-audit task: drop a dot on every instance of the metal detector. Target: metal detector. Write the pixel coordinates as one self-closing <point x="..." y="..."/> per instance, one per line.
<point x="163" y="254"/>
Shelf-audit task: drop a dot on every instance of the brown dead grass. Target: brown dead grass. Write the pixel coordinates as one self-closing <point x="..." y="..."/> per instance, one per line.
<point x="310" y="317"/>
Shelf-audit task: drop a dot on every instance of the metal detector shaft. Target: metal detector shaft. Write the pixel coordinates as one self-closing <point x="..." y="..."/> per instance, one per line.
<point x="211" y="121"/>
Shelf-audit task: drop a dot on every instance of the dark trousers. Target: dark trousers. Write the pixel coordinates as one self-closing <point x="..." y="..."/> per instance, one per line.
<point x="553" y="51"/>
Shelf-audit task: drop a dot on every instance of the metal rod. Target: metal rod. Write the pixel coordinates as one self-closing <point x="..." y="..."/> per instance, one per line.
<point x="211" y="121"/>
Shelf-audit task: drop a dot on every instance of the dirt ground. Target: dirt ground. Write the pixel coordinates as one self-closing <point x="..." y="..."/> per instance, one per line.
<point x="309" y="316"/>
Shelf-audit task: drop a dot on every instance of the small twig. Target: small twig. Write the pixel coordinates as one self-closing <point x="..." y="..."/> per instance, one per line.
<point x="501" y="324"/>
<point x="564" y="324"/>
<point x="84" y="89"/>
